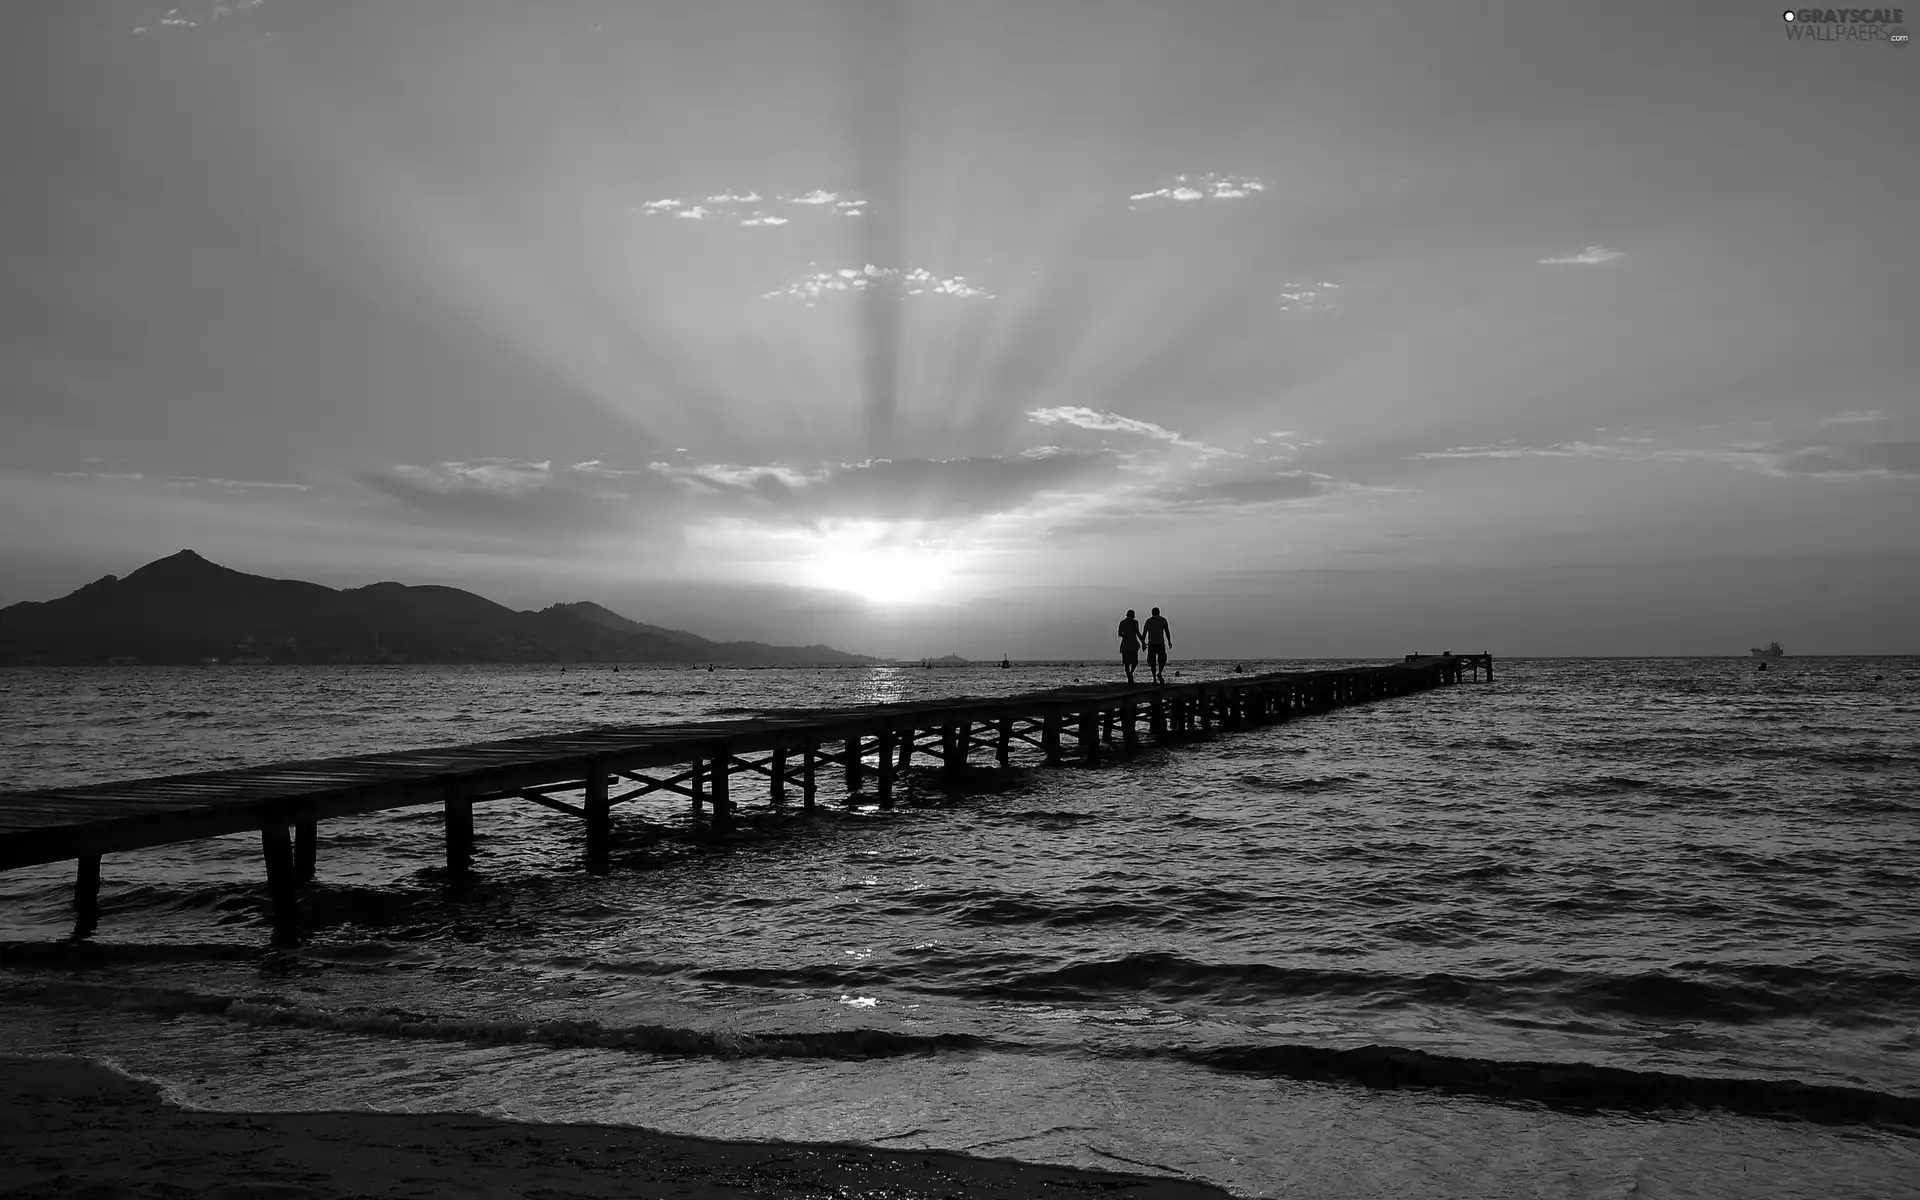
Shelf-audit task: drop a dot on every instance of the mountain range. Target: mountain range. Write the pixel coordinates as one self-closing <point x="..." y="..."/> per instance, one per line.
<point x="184" y="609"/>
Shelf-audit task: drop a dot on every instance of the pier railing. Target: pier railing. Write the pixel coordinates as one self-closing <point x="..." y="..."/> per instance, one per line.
<point x="588" y="774"/>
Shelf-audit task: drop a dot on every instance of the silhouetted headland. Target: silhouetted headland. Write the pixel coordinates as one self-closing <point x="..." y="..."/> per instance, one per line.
<point x="184" y="609"/>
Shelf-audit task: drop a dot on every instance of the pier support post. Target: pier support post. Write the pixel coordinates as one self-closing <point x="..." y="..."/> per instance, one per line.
<point x="807" y="759"/>
<point x="1003" y="742"/>
<point x="277" y="849"/>
<point x="949" y="749"/>
<point x="306" y="849"/>
<point x="853" y="765"/>
<point x="1205" y="703"/>
<point x="86" y="896"/>
<point x="1129" y="726"/>
<point x="1050" y="738"/>
<point x="777" y="784"/>
<point x="722" y="794"/>
<point x="907" y="738"/>
<point x="1487" y="657"/>
<point x="697" y="783"/>
<point x="885" y="784"/>
<point x="459" y="837"/>
<point x="1157" y="719"/>
<point x="599" y="823"/>
<point x="1090" y="737"/>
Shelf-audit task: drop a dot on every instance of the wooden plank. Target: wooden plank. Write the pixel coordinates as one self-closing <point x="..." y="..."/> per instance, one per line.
<point x="131" y="813"/>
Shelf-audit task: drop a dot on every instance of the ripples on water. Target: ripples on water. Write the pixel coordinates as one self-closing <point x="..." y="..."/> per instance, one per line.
<point x="1688" y="879"/>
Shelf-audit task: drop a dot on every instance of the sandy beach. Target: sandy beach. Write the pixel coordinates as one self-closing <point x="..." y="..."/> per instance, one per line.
<point x="73" y="1128"/>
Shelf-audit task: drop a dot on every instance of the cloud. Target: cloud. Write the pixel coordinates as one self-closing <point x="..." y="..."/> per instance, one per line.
<point x="915" y="281"/>
<point x="194" y="15"/>
<point x="504" y="475"/>
<point x="1287" y="442"/>
<point x="1107" y="422"/>
<point x="751" y="209"/>
<point x="1121" y="511"/>
<point x="513" y="496"/>
<point x="1190" y="189"/>
<point x="1512" y="449"/>
<point x="1244" y="493"/>
<point x="1591" y="256"/>
<point x="1855" y="417"/>
<point x="594" y="498"/>
<point x="1863" y="460"/>
<point x="1901" y="459"/>
<point x="191" y="481"/>
<point x="889" y="489"/>
<point x="1307" y="297"/>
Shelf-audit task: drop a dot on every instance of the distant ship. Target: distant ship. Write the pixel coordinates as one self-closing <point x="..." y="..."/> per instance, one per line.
<point x="1773" y="650"/>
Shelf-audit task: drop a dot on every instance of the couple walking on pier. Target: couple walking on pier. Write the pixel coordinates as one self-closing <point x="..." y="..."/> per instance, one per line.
<point x="1158" y="636"/>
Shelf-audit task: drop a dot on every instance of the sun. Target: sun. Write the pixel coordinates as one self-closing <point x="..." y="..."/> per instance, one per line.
<point x="886" y="575"/>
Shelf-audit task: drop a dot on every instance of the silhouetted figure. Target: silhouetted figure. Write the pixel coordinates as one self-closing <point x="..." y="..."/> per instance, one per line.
<point x="1763" y="666"/>
<point x="709" y="668"/>
<point x="1159" y="638"/>
<point x="1130" y="643"/>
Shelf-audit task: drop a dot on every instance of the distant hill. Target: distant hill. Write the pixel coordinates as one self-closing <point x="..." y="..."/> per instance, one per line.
<point x="183" y="609"/>
<point x="704" y="649"/>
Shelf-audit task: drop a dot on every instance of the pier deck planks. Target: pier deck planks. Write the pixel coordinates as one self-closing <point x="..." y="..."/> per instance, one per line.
<point x="57" y="824"/>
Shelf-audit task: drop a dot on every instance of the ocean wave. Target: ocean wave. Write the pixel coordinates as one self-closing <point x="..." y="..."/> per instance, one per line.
<point x="1570" y="1085"/>
<point x="1574" y="1086"/>
<point x="1049" y="817"/>
<point x="1615" y="785"/>
<point x="1307" y="784"/>
<point x="274" y="1012"/>
<point x="1729" y="994"/>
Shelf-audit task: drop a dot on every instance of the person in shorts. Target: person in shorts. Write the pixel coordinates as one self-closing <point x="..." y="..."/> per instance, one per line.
<point x="1159" y="639"/>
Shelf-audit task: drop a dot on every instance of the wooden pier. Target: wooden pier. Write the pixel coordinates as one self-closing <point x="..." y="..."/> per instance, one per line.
<point x="598" y="769"/>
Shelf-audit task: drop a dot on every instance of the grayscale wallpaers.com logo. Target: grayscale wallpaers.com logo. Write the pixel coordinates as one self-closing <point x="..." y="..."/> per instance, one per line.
<point x="1846" y="25"/>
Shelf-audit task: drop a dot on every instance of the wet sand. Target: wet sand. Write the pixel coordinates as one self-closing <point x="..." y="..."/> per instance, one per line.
<point x="72" y="1128"/>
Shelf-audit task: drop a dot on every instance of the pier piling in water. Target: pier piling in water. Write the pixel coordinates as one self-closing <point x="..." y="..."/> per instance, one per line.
<point x="282" y="886"/>
<point x="85" y="823"/>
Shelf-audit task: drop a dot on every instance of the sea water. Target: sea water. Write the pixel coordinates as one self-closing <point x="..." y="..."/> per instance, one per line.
<point x="1579" y="931"/>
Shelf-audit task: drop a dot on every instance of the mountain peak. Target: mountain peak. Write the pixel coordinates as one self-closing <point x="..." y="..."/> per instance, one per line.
<point x="185" y="564"/>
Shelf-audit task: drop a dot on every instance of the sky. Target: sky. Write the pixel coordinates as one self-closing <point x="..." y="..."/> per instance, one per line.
<point x="1346" y="329"/>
